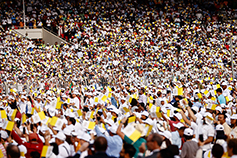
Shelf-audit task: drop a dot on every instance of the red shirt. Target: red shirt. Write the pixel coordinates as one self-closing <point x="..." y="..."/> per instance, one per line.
<point x="29" y="146"/>
<point x="171" y="123"/>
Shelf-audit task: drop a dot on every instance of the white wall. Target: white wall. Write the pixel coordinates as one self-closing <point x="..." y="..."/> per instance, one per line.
<point x="32" y="33"/>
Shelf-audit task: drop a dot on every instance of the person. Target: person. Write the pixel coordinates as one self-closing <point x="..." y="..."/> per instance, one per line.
<point x="177" y="135"/>
<point x="34" y="144"/>
<point x="222" y="120"/>
<point x="217" y="151"/>
<point x="128" y="151"/>
<point x="34" y="154"/>
<point x="100" y="146"/>
<point x="153" y="144"/>
<point x="13" y="151"/>
<point x="63" y="146"/>
<point x="232" y="148"/>
<point x="221" y="99"/>
<point x="137" y="144"/>
<point x="190" y="147"/>
<point x="115" y="142"/>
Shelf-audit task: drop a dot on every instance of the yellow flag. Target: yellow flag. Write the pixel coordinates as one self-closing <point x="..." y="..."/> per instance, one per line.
<point x="180" y="91"/>
<point x="23" y="119"/>
<point x="104" y="98"/>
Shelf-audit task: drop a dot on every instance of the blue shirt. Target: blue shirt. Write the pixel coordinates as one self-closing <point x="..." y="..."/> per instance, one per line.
<point x="221" y="99"/>
<point x="198" y="104"/>
<point x="176" y="140"/>
<point x="115" y="143"/>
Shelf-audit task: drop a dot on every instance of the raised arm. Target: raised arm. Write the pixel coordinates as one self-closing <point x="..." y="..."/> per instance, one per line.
<point x="119" y="132"/>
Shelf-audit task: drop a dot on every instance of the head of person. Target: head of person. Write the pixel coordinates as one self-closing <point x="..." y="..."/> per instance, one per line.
<point x="188" y="134"/>
<point x="232" y="147"/>
<point x="60" y="138"/>
<point x="12" y="151"/>
<point x="233" y="120"/>
<point x="154" y="141"/>
<point x="217" y="151"/>
<point x="128" y="151"/>
<point x="33" y="138"/>
<point x="219" y="91"/>
<point x="221" y="117"/>
<point x="165" y="153"/>
<point x="100" y="144"/>
<point x="34" y="154"/>
<point x="141" y="91"/>
<point x="71" y="120"/>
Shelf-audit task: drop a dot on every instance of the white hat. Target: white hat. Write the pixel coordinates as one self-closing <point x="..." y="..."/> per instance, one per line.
<point x="178" y="115"/>
<point x="140" y="128"/>
<point x="64" y="96"/>
<point x="188" y="132"/>
<point x="166" y="134"/>
<point x="234" y="117"/>
<point x="23" y="151"/>
<point x="4" y="134"/>
<point x="113" y="128"/>
<point x="67" y="131"/>
<point x="178" y="125"/>
<point x="61" y="136"/>
<point x="145" y="113"/>
<point x="220" y="127"/>
<point x="86" y="137"/>
<point x="218" y="108"/>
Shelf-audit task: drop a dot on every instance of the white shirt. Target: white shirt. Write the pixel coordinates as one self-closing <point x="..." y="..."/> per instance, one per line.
<point x="208" y="131"/>
<point x="63" y="150"/>
<point x="76" y="101"/>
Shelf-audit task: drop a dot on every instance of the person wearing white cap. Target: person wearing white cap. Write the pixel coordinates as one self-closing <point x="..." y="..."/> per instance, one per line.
<point x="63" y="146"/>
<point x="178" y="134"/>
<point x="115" y="143"/>
<point x="190" y="147"/>
<point x="233" y="121"/>
<point x="74" y="102"/>
<point x="23" y="151"/>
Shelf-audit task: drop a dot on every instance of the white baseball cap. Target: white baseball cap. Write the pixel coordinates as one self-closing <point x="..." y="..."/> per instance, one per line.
<point x="188" y="132"/>
<point x="61" y="136"/>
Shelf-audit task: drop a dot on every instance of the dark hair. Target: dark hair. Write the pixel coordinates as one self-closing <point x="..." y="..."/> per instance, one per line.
<point x="30" y="99"/>
<point x="167" y="142"/>
<point x="217" y="151"/>
<point x="35" y="154"/>
<point x="232" y="144"/>
<point x="157" y="138"/>
<point x="219" y="90"/>
<point x="174" y="149"/>
<point x="187" y="137"/>
<point x="223" y="113"/>
<point x="166" y="153"/>
<point x="100" y="144"/>
<point x="13" y="151"/>
<point x="128" y="148"/>
<point x="72" y="120"/>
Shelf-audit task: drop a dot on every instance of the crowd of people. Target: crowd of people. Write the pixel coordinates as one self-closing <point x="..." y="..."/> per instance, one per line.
<point x="137" y="80"/>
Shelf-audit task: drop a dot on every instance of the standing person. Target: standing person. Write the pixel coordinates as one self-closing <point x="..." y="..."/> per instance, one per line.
<point x="136" y="144"/>
<point x="153" y="144"/>
<point x="128" y="151"/>
<point x="221" y="98"/>
<point x="13" y="151"/>
<point x="115" y="143"/>
<point x="190" y="147"/>
<point x="222" y="120"/>
<point x="100" y="145"/>
<point x="34" y="144"/>
<point x="232" y="148"/>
